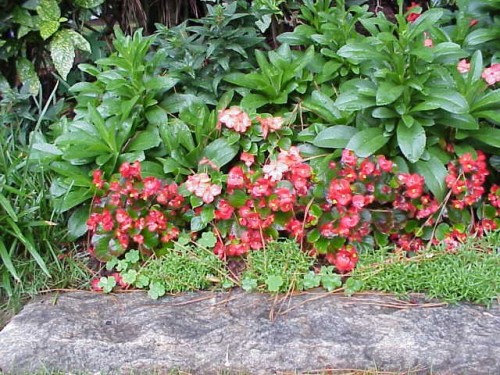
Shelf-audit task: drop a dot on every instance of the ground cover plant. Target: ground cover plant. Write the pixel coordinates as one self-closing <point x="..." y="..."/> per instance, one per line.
<point x="278" y="169"/>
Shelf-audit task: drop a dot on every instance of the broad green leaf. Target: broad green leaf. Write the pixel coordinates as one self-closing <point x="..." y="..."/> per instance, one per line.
<point x="489" y="136"/>
<point x="88" y="3"/>
<point x="358" y="52"/>
<point x="367" y="141"/>
<point x="411" y="141"/>
<point x="480" y="36"/>
<point x="77" y="222"/>
<point x="62" y="53"/>
<point x="426" y="21"/>
<point x="458" y="121"/>
<point x="446" y="99"/>
<point x="448" y="53"/>
<point x="197" y="224"/>
<point x="337" y="136"/>
<point x="7" y="261"/>
<point x="27" y="75"/>
<point x="352" y="101"/>
<point x="78" y="40"/>
<point x="145" y="139"/>
<point x="156" y="115"/>
<point x="49" y="10"/>
<point x="253" y="101"/>
<point x="220" y="152"/>
<point x="48" y="28"/>
<point x="434" y="173"/>
<point x="323" y="106"/>
<point x="388" y="93"/>
<point x="300" y="36"/>
<point x="490" y="100"/>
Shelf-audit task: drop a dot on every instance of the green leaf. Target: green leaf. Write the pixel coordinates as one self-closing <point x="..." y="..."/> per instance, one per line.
<point x="78" y="40"/>
<point x="28" y="76"/>
<point x="248" y="284"/>
<point x="337" y="136"/>
<point x="130" y="276"/>
<point x="446" y="99"/>
<point x="352" y="286"/>
<point x="157" y="116"/>
<point x="388" y="93"/>
<point x="28" y="243"/>
<point x="220" y="152"/>
<point x="480" y="36"/>
<point x="156" y="290"/>
<point x="207" y="240"/>
<point x="323" y="106"/>
<point x="359" y="52"/>
<point x="132" y="256"/>
<point x="330" y="280"/>
<point x="311" y="280"/>
<point x="253" y="101"/>
<point x="434" y="173"/>
<point x="77" y="222"/>
<point x="489" y="136"/>
<point x="48" y="28"/>
<point x="5" y="204"/>
<point x="426" y="21"/>
<point x="49" y="10"/>
<point x="7" y="261"/>
<point x="367" y="141"/>
<point x="145" y="140"/>
<point x="274" y="283"/>
<point x="411" y="141"/>
<point x="198" y="224"/>
<point x="490" y="100"/>
<point x="107" y="284"/>
<point x="352" y="101"/>
<point x="62" y="53"/>
<point x="89" y="4"/>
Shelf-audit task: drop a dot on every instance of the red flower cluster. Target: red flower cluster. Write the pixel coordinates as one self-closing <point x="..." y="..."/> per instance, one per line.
<point x="134" y="209"/>
<point x="466" y="178"/>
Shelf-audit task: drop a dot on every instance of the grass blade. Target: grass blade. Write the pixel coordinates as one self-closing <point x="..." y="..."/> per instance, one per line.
<point x="4" y="254"/>
<point x="4" y="202"/>
<point x="29" y="246"/>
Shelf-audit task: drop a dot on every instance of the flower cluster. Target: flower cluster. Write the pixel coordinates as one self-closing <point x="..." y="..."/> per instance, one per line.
<point x="466" y="178"/>
<point x="331" y="213"/>
<point x="491" y="74"/>
<point x="134" y="212"/>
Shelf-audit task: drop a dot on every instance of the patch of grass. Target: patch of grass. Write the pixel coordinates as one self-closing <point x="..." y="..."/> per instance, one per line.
<point x="70" y="272"/>
<point x="279" y="267"/>
<point x="471" y="273"/>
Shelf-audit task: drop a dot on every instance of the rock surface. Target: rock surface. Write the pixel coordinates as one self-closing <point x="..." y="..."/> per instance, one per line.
<point x="208" y="332"/>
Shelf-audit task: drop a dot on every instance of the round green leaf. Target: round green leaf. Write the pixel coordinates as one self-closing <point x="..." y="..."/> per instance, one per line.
<point x="335" y="136"/>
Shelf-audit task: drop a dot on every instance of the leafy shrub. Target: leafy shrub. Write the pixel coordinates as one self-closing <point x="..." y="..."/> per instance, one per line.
<point x="34" y="28"/>
<point x="335" y="209"/>
<point x="201" y="52"/>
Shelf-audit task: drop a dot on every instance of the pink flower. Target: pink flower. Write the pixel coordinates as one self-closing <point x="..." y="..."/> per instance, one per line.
<point x="200" y="185"/>
<point x="463" y="66"/>
<point x="274" y="170"/>
<point x="247" y="158"/>
<point x="270" y="124"/>
<point x="428" y="42"/>
<point x="234" y="118"/>
<point x="492" y="74"/>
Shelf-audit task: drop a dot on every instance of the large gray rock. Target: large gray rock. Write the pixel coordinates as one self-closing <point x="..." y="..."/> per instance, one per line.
<point x="208" y="332"/>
